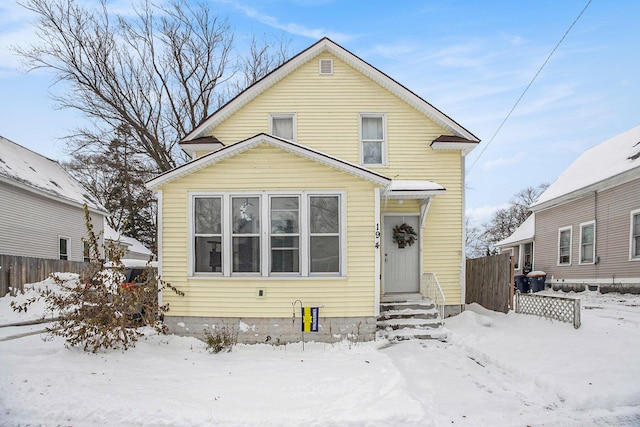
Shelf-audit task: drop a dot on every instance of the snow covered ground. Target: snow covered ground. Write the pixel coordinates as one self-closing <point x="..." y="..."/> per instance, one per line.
<point x="495" y="369"/>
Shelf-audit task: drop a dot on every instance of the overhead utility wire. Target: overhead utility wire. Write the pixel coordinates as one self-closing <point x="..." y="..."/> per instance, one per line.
<point x="527" y="88"/>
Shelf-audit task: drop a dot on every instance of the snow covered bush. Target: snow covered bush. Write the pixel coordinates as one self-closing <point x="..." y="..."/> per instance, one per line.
<point x="103" y="311"/>
<point x="218" y="340"/>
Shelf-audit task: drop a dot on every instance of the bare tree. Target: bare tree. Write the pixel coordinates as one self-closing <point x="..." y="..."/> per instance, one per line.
<point x="505" y="221"/>
<point x="160" y="72"/>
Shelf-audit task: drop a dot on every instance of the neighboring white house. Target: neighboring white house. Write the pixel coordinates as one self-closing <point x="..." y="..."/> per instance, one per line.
<point x="133" y="248"/>
<point x="41" y="207"/>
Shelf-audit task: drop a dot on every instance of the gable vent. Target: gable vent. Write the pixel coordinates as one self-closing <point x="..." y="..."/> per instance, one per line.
<point x="326" y="66"/>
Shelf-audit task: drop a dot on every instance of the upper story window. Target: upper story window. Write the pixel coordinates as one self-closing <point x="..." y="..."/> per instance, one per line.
<point x="634" y="251"/>
<point x="283" y="126"/>
<point x="63" y="246"/>
<point x="587" y="242"/>
<point x="564" y="246"/>
<point x="303" y="235"/>
<point x="373" y="143"/>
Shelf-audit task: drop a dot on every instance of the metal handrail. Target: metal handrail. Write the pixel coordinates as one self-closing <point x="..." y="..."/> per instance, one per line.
<point x="430" y="288"/>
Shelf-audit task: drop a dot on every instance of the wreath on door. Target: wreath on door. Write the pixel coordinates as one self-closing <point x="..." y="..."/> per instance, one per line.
<point x="404" y="235"/>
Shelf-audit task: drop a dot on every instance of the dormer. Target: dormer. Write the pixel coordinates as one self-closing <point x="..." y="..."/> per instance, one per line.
<point x="199" y="147"/>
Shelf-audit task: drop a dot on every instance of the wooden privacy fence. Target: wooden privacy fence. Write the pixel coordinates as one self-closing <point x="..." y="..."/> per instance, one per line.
<point x="489" y="282"/>
<point x="15" y="271"/>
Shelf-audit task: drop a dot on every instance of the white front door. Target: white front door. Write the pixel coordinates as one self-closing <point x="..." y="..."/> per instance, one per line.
<point x="401" y="264"/>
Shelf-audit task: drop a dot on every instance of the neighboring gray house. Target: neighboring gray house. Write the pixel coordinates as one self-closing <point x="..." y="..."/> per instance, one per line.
<point x="520" y="245"/>
<point x="41" y="207"/>
<point x="133" y="248"/>
<point x="587" y="223"/>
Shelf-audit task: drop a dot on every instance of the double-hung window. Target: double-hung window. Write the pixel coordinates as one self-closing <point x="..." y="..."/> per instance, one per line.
<point x="635" y="235"/>
<point x="587" y="242"/>
<point x="283" y="126"/>
<point x="63" y="248"/>
<point x="324" y="234"/>
<point x="207" y="225"/>
<point x="285" y="234"/>
<point x="272" y="234"/>
<point x="373" y="144"/>
<point x="564" y="246"/>
<point x="246" y="234"/>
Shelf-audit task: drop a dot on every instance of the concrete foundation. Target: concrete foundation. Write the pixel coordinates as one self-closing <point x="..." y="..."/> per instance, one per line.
<point x="603" y="288"/>
<point x="275" y="331"/>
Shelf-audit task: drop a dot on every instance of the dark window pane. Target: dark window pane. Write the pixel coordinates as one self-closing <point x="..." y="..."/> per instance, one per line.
<point x="246" y="215"/>
<point x="246" y="254"/>
<point x="207" y="212"/>
<point x="325" y="214"/>
<point x="285" y="261"/>
<point x="372" y="153"/>
<point x="208" y="254"/>
<point x="325" y="254"/>
<point x="285" y="242"/>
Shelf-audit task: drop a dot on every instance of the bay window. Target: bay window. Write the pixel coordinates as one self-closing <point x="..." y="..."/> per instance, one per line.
<point x="302" y="237"/>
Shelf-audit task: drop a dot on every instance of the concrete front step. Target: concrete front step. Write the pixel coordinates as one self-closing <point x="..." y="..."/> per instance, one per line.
<point x="412" y="318"/>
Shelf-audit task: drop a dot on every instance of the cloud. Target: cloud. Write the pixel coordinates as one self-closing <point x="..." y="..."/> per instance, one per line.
<point x="502" y="161"/>
<point x="292" y="28"/>
<point x="482" y="214"/>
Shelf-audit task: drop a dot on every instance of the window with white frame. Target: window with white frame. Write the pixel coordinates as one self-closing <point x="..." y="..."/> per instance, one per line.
<point x="635" y="235"/>
<point x="283" y="126"/>
<point x="373" y="139"/>
<point x="207" y="231"/>
<point x="564" y="246"/>
<point x="527" y="255"/>
<point x="303" y="237"/>
<point x="285" y="234"/>
<point x="63" y="248"/>
<point x="587" y="242"/>
<point x="86" y="255"/>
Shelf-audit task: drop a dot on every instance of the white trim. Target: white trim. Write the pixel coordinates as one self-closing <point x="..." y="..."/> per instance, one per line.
<point x="260" y="139"/>
<point x="159" y="239"/>
<point x="384" y="144"/>
<point x="631" y="215"/>
<point x="377" y="271"/>
<point x="580" y="242"/>
<point x="68" y="239"/>
<point x="560" y="230"/>
<point x="294" y="124"/>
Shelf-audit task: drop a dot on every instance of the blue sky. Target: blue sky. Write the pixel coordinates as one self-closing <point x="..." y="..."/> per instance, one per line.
<point x="470" y="59"/>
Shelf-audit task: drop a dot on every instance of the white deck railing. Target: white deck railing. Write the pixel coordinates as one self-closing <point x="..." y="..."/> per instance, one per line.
<point x="430" y="288"/>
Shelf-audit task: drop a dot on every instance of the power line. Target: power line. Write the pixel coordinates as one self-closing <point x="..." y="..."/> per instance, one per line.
<point x="528" y="86"/>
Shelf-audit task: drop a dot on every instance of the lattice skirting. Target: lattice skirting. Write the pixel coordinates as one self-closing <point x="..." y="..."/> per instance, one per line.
<point x="551" y="307"/>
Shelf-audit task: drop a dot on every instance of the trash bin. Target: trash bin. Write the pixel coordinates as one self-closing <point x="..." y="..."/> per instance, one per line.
<point x="522" y="283"/>
<point x="537" y="280"/>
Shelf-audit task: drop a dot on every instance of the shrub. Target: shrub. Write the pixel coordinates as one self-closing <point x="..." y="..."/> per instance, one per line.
<point x="102" y="311"/>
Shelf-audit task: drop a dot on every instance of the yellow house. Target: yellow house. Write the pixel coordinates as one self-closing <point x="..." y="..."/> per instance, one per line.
<point x="326" y="184"/>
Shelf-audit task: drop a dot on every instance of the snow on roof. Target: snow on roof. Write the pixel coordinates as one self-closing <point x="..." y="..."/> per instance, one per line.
<point x="414" y="185"/>
<point x="39" y="173"/>
<point x="525" y="231"/>
<point x="605" y="160"/>
<point x="133" y="245"/>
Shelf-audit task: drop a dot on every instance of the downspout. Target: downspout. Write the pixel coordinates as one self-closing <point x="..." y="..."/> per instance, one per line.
<point x="463" y="266"/>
